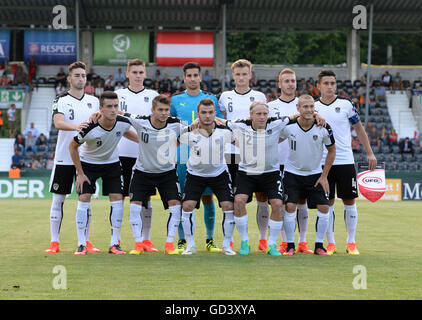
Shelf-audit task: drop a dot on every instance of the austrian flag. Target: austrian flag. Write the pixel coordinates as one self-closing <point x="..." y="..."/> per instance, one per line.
<point x="177" y="48"/>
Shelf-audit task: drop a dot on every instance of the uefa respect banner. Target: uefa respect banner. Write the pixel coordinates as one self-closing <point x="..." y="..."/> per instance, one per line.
<point x="4" y="45"/>
<point x="54" y="47"/>
<point x="117" y="48"/>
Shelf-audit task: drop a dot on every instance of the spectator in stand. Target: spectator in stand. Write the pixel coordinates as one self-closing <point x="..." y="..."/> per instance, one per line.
<point x="1" y="123"/>
<point x="397" y="82"/>
<point x="5" y="80"/>
<point x="60" y="89"/>
<point x="33" y="130"/>
<point x="20" y="76"/>
<point x="314" y="92"/>
<point x="362" y="99"/>
<point x="99" y="90"/>
<point x="30" y="142"/>
<point x="23" y="86"/>
<point x="380" y="93"/>
<point x="37" y="162"/>
<point x="343" y="94"/>
<point x="41" y="144"/>
<point x="50" y="162"/>
<point x="120" y="76"/>
<point x="420" y="140"/>
<point x="392" y="138"/>
<point x="92" y="76"/>
<point x="417" y="89"/>
<point x="109" y="84"/>
<point x="373" y="137"/>
<point x="355" y="99"/>
<point x="302" y="88"/>
<point x="89" y="88"/>
<point x="387" y="80"/>
<point x="158" y="77"/>
<point x="61" y="77"/>
<point x="254" y="80"/>
<point x="20" y="143"/>
<point x="14" y="172"/>
<point x="176" y="84"/>
<point x="364" y="80"/>
<point x="12" y="120"/>
<point x="205" y="87"/>
<point x="17" y="160"/>
<point x="119" y="85"/>
<point x="406" y="146"/>
<point x="32" y="69"/>
<point x="206" y="78"/>
<point x="384" y="137"/>
<point x="165" y="85"/>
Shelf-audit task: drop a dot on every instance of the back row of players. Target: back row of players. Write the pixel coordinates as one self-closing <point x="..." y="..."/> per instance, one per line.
<point x="258" y="127"/>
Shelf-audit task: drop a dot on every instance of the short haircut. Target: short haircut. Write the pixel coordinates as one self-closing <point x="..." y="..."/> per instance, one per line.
<point x="258" y="103"/>
<point x="305" y="97"/>
<point x="286" y="71"/>
<point x="326" y="73"/>
<point x="135" y="62"/>
<point x="191" y="65"/>
<point x="161" y="98"/>
<point x="241" y="63"/>
<point x="205" y="102"/>
<point x="107" y="95"/>
<point x="77" y="65"/>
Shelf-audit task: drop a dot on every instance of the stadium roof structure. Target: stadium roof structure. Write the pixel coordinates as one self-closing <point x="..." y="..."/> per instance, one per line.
<point x="241" y="15"/>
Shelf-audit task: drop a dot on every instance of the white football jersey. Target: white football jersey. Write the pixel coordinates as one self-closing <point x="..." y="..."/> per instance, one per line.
<point x="132" y="102"/>
<point x="306" y="147"/>
<point x="340" y="114"/>
<point x="236" y="106"/>
<point x="157" y="147"/>
<point x="75" y="111"/>
<point x="99" y="145"/>
<point x="258" y="148"/>
<point x="206" y="153"/>
<point x="281" y="108"/>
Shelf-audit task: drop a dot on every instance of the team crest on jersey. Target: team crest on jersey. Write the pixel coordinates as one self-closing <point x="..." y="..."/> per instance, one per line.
<point x="269" y="131"/>
<point x="337" y="109"/>
<point x="89" y="105"/>
<point x="315" y="137"/>
<point x="146" y="99"/>
<point x="118" y="134"/>
<point x="252" y="99"/>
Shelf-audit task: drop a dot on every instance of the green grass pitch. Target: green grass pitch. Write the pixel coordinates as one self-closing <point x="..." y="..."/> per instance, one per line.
<point x="388" y="238"/>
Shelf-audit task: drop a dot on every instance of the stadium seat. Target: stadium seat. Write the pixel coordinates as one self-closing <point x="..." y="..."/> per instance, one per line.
<point x="216" y="90"/>
<point x="339" y="84"/>
<point x="398" y="157"/>
<point x="386" y="150"/>
<point x="41" y="80"/>
<point x="408" y="157"/>
<point x="395" y="149"/>
<point x="51" y="80"/>
<point x="215" y="83"/>
<point x="390" y="166"/>
<point x="262" y="83"/>
<point x="272" y="84"/>
<point x="348" y="83"/>
<point x="357" y="84"/>
<point x="406" y="84"/>
<point x="148" y="82"/>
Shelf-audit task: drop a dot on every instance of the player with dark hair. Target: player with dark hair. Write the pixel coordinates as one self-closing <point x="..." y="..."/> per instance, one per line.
<point x="341" y="114"/>
<point x="71" y="111"/>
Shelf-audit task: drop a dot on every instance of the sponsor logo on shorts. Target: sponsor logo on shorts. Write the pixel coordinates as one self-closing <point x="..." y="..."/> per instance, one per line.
<point x="56" y="186"/>
<point x="130" y="196"/>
